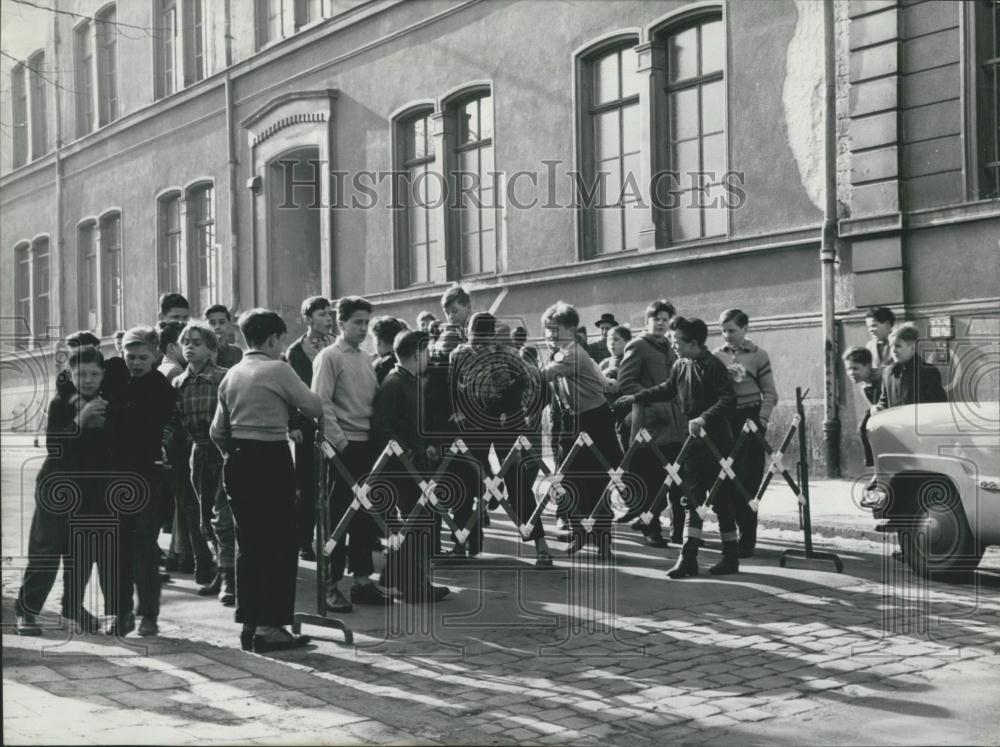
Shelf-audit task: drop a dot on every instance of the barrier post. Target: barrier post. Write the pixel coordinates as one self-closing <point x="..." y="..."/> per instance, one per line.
<point x="805" y="516"/>
<point x="320" y="618"/>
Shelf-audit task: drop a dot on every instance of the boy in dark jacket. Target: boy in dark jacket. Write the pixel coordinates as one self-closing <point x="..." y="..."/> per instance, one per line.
<point x="646" y="362"/>
<point x="701" y="385"/>
<point x="908" y="381"/>
<point x="396" y="416"/>
<point x="76" y="441"/>
<point x="318" y="317"/>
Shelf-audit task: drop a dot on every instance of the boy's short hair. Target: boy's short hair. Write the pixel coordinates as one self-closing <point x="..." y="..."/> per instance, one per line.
<point x="659" y="306"/>
<point x="259" y="324"/>
<point x="692" y="330"/>
<point x="436" y="329"/>
<point x="734" y="315"/>
<point x="455" y="293"/>
<point x="170" y="301"/>
<point x="219" y="308"/>
<point x="119" y="334"/>
<point x="170" y="332"/>
<point x="349" y="305"/>
<point x="482" y="327"/>
<point x="204" y="329"/>
<point x="906" y="333"/>
<point x="882" y="315"/>
<point x="530" y="354"/>
<point x="424" y="316"/>
<point x="858" y="354"/>
<point x="141" y="336"/>
<point x="85" y="355"/>
<point x="409" y="342"/>
<point x="519" y="335"/>
<point x="387" y="327"/>
<point x="623" y="332"/>
<point x="561" y="314"/>
<point x="82" y="337"/>
<point x="313" y="304"/>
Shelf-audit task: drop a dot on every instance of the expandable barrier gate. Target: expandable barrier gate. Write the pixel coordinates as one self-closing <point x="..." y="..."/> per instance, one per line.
<point x="524" y="449"/>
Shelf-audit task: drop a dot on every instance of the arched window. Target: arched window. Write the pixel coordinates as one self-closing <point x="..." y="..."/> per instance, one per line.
<point x="19" y="110"/>
<point x="83" y="44"/>
<point x="693" y="142"/>
<point x="170" y="244"/>
<point x="22" y="285"/>
<point x="475" y="204"/>
<point x="201" y="242"/>
<point x="610" y="147"/>
<point x="39" y="108"/>
<point x="421" y="252"/>
<point x="40" y="291"/>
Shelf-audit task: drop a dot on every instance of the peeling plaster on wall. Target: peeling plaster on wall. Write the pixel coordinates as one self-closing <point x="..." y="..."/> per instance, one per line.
<point x="802" y="96"/>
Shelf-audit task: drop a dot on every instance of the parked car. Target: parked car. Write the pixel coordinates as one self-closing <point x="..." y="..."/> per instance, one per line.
<point x="937" y="483"/>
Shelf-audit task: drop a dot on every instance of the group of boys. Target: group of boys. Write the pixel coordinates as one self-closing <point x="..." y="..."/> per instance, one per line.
<point x="129" y="437"/>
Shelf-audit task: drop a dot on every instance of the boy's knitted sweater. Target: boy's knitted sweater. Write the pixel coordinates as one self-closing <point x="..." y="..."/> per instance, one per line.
<point x="750" y="371"/>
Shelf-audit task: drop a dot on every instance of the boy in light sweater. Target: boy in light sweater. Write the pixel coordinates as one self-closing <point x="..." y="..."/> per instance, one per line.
<point x="345" y="381"/>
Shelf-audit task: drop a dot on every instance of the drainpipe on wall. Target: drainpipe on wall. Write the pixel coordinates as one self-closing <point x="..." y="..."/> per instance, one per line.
<point x="234" y="257"/>
<point x="828" y="251"/>
<point x="56" y="263"/>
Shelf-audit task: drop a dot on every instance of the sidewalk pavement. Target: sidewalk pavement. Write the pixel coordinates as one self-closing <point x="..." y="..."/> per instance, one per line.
<point x="834" y="509"/>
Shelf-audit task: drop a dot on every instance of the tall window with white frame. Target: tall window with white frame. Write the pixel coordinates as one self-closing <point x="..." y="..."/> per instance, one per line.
<point x="39" y="108"/>
<point x="611" y="140"/>
<point x="19" y="112"/>
<point x="166" y="47"/>
<point x="201" y="214"/>
<point x="307" y="11"/>
<point x="87" y="275"/>
<point x="40" y="289"/>
<point x="107" y="64"/>
<point x="194" y="41"/>
<point x="22" y="287"/>
<point x="473" y="181"/>
<point x="268" y="21"/>
<point x="170" y="242"/>
<point x="424" y="259"/>
<point x="984" y="98"/>
<point x="695" y="139"/>
<point x="112" y="288"/>
<point x="84" y="54"/>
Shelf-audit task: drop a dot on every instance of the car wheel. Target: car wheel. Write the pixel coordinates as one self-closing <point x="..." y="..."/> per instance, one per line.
<point x="940" y="539"/>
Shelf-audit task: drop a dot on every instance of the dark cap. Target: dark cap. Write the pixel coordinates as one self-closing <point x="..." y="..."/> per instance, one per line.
<point x="606" y="318"/>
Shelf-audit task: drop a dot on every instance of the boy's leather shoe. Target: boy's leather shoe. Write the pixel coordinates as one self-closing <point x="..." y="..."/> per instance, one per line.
<point x="27" y="625"/>
<point x="227" y="595"/>
<point x="337" y="602"/>
<point x="683" y="568"/>
<point x="369" y="594"/>
<point x="212" y="588"/>
<point x="205" y="572"/>
<point x="164" y="577"/>
<point x="655" y="539"/>
<point x="264" y="644"/>
<point x="728" y="564"/>
<point x="148" y="627"/>
<point x="123" y="625"/>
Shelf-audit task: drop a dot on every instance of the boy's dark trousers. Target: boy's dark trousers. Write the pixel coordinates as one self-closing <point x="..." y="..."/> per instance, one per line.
<point x="206" y="478"/>
<point x="47" y="544"/>
<point x="408" y="567"/>
<point x="700" y="469"/>
<point x="188" y="539"/>
<point x="749" y="469"/>
<point x="472" y="471"/>
<point x="138" y="552"/>
<point x="354" y="548"/>
<point x="587" y="477"/>
<point x="520" y="483"/>
<point x="305" y="479"/>
<point x="650" y="474"/>
<point x="259" y="479"/>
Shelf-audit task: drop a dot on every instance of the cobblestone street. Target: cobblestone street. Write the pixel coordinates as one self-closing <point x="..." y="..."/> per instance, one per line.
<point x="566" y="656"/>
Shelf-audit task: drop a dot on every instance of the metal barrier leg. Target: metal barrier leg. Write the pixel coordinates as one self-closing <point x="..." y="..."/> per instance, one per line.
<point x="808" y="553"/>
<point x="320" y="618"/>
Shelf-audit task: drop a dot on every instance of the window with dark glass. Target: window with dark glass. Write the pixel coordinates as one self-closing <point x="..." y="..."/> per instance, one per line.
<point x="473" y="181"/>
<point x="424" y="259"/>
<point x="171" y="266"/>
<point x="87" y="275"/>
<point x="201" y="209"/>
<point x="984" y="99"/>
<point x="39" y="115"/>
<point x="107" y="64"/>
<point x="22" y="286"/>
<point x="113" y="316"/>
<point x="194" y="41"/>
<point x="40" y="288"/>
<point x="268" y="21"/>
<point x="696" y="129"/>
<point x="83" y="41"/>
<point x="166" y="47"/>
<point x="307" y="11"/>
<point x="19" y="111"/>
<point x="611" y="150"/>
